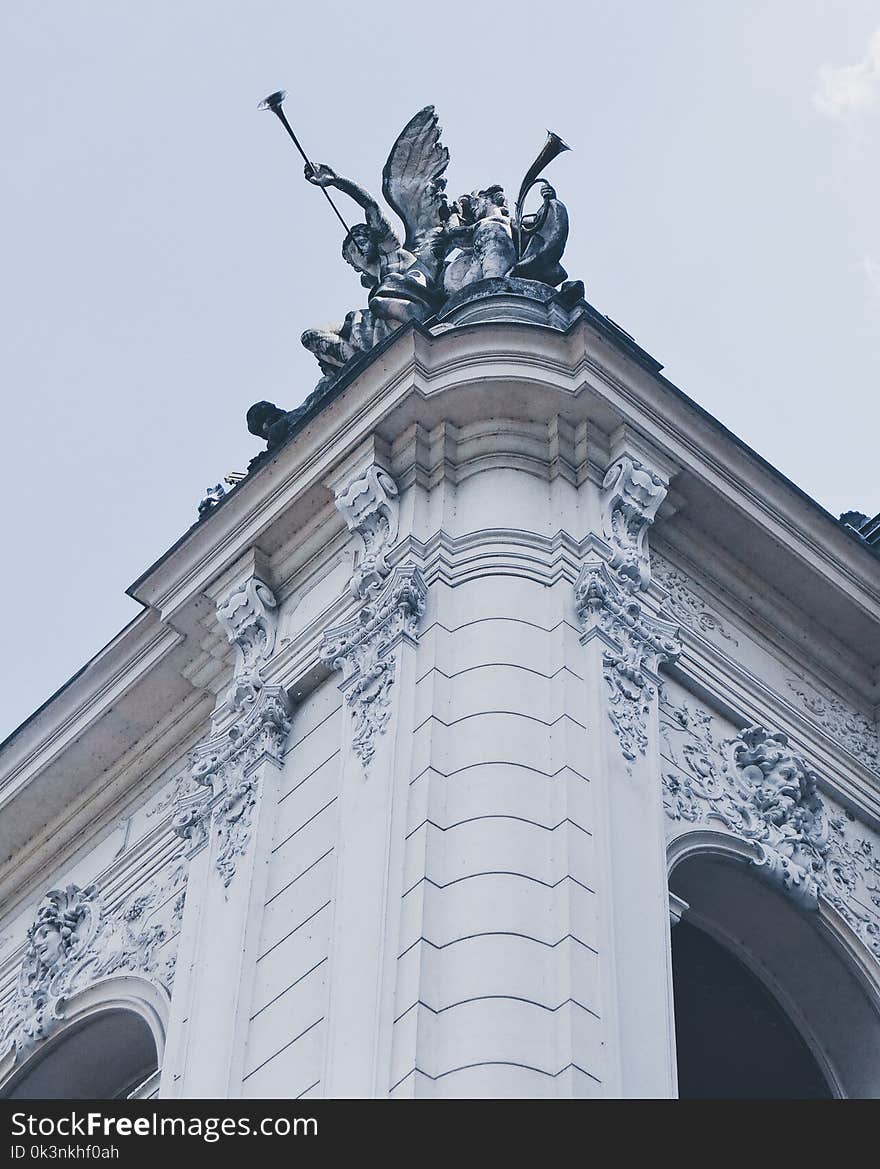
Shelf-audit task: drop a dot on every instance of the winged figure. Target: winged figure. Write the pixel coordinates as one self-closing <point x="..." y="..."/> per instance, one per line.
<point x="402" y="276"/>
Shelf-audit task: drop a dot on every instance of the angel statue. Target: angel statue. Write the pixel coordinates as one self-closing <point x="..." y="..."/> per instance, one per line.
<point x="479" y="227"/>
<point x="544" y="236"/>
<point x="402" y="277"/>
<point x="444" y="249"/>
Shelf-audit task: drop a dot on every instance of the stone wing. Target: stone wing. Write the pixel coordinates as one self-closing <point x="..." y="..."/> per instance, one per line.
<point x="411" y="177"/>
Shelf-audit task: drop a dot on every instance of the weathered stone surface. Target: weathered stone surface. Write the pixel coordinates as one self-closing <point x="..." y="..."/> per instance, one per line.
<point x="446" y="249"/>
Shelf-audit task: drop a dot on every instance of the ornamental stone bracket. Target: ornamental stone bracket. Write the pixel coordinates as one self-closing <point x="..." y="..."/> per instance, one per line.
<point x="249" y="616"/>
<point x="630" y="497"/>
<point x="634" y="643"/>
<point x="369" y="504"/>
<point x="766" y="795"/>
<point x="225" y="768"/>
<point x="363" y="649"/>
<point x="74" y="942"/>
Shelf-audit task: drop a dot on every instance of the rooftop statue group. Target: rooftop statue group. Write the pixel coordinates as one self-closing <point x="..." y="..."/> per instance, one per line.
<point x="445" y="248"/>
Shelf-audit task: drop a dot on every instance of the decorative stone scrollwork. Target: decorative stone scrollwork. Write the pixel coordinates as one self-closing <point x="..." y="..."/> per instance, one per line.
<point x="250" y="618"/>
<point x="191" y="816"/>
<point x="852" y="880"/>
<point x="634" y="645"/>
<point x="363" y="649"/>
<point x="762" y="792"/>
<point x="852" y="730"/>
<point x="225" y="765"/>
<point x="684" y="604"/>
<point x="630" y="497"/>
<point x="73" y="942"/>
<point x="369" y="506"/>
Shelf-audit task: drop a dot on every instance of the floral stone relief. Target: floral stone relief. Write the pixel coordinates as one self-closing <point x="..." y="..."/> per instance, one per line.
<point x="756" y="787"/>
<point x="225" y="767"/>
<point x="634" y="644"/>
<point x="74" y="941"/>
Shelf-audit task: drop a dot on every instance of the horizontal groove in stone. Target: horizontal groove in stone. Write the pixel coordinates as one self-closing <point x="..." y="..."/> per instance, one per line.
<point x="497" y="816"/>
<point x="509" y="998"/>
<point x="497" y="873"/>
<point x="282" y="993"/>
<point x="293" y="746"/>
<point x="499" y="665"/>
<point x="497" y="934"/>
<point x="494" y="1063"/>
<point x="306" y="778"/>
<point x="498" y="763"/>
<point x="294" y="880"/>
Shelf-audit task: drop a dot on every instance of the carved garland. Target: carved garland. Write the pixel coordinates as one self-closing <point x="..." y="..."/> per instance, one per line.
<point x="225" y="766"/>
<point x="684" y="604"/>
<point x="760" y="791"/>
<point x="363" y="649"/>
<point x="74" y="943"/>
<point x="635" y="644"/>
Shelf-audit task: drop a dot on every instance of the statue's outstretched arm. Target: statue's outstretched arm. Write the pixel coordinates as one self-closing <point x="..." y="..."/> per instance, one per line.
<point x="384" y="234"/>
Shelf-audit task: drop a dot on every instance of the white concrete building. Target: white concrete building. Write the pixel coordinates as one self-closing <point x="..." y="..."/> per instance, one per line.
<point x="429" y="733"/>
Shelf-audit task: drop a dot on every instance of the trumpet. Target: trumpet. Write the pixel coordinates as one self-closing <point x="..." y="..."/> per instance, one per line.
<point x="551" y="148"/>
<point x="274" y="103"/>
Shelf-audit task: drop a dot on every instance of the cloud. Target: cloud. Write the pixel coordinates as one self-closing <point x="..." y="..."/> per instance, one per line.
<point x="845" y="90"/>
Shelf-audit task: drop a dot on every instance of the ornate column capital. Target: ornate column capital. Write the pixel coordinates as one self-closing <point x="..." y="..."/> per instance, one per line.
<point x="363" y="649"/>
<point x="634" y="644"/>
<point x="225" y="766"/>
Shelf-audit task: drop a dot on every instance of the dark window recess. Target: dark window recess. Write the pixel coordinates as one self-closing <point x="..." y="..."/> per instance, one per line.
<point x="734" y="1040"/>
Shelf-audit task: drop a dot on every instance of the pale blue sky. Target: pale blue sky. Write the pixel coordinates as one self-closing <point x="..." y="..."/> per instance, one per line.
<point x="162" y="253"/>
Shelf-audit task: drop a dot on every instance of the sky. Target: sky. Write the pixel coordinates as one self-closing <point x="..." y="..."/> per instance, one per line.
<point x="162" y="252"/>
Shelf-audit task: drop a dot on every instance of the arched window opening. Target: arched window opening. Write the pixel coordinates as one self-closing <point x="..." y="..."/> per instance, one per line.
<point x="733" y="1039"/>
<point x="771" y="998"/>
<point x="110" y="1055"/>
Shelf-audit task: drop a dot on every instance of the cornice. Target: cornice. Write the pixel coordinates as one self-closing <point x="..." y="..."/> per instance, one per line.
<point x="756" y="610"/>
<point x="579" y="381"/>
<point x="138" y="650"/>
<point x="64" y="830"/>
<point x="581" y="384"/>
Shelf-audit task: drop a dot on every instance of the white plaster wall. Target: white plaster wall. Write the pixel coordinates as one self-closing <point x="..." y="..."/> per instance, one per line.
<point x="287" y="1014"/>
<point x="515" y="819"/>
<point x="497" y="990"/>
